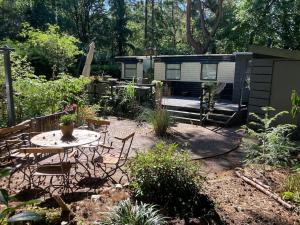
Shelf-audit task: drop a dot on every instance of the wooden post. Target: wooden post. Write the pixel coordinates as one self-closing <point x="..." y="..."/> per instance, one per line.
<point x="8" y="86"/>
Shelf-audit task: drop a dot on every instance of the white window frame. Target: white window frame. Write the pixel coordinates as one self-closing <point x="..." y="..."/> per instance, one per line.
<point x="201" y="75"/>
<point x="125" y="69"/>
<point x="167" y="69"/>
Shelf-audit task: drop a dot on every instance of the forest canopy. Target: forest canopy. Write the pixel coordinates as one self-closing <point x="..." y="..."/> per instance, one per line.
<point x="143" y="27"/>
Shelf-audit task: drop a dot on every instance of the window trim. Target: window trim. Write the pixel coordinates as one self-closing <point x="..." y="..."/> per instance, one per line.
<point x="201" y="73"/>
<point x="166" y="69"/>
<point x="130" y="69"/>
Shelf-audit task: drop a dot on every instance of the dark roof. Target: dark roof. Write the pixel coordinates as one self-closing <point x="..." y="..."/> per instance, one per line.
<point x="274" y="52"/>
<point x="195" y="58"/>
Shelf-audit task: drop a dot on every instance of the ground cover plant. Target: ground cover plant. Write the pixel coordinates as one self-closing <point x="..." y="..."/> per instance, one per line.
<point x="165" y="176"/>
<point x="292" y="188"/>
<point x="136" y="213"/>
<point x="8" y="214"/>
<point x="268" y="143"/>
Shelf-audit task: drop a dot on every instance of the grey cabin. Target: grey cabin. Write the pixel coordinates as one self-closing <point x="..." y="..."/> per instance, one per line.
<point x="184" y="74"/>
<point x="134" y="67"/>
<point x="274" y="74"/>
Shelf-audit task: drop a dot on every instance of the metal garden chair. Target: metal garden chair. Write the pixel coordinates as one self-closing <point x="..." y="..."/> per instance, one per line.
<point x="114" y="159"/>
<point x="58" y="173"/>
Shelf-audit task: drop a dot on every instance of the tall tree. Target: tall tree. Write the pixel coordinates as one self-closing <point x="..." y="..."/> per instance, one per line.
<point x="120" y="30"/>
<point x="146" y="25"/>
<point x="209" y="13"/>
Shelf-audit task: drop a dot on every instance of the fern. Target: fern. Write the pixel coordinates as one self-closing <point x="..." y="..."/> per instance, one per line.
<point x="268" y="144"/>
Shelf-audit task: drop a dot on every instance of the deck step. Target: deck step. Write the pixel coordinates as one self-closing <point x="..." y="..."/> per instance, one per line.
<point x="186" y="120"/>
<point x="186" y="114"/>
<point x="218" y="117"/>
<point x="183" y="112"/>
<point x="217" y="121"/>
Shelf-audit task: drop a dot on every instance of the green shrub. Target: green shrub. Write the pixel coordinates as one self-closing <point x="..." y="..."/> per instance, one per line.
<point x="292" y="188"/>
<point x="35" y="96"/>
<point x="166" y="177"/>
<point x="160" y="120"/>
<point x="268" y="143"/>
<point x="127" y="104"/>
<point x="295" y="99"/>
<point x="67" y="119"/>
<point x="134" y="214"/>
<point x="48" y="216"/>
<point x="47" y="48"/>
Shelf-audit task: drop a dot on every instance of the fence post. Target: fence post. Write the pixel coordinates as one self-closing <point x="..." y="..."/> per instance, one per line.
<point x="8" y="86"/>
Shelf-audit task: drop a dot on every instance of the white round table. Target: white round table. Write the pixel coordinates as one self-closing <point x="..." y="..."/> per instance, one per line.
<point x="54" y="139"/>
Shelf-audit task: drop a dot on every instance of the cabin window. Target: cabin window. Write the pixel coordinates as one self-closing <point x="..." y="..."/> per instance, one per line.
<point x="130" y="70"/>
<point x="209" y="71"/>
<point x="173" y="71"/>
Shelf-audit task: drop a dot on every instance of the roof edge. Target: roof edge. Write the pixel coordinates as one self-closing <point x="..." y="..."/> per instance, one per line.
<point x="276" y="52"/>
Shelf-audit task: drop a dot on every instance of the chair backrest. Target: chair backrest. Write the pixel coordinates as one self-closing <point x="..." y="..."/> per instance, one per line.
<point x="102" y="124"/>
<point x="126" y="147"/>
<point x="97" y="122"/>
<point x="12" y="145"/>
<point x="41" y="150"/>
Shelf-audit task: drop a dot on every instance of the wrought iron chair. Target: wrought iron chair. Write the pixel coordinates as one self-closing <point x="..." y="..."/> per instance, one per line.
<point x="14" y="158"/>
<point x="100" y="126"/>
<point x="115" y="158"/>
<point x="58" y="173"/>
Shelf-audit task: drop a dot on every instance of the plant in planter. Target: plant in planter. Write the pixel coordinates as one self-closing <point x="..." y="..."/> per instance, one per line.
<point x="67" y="124"/>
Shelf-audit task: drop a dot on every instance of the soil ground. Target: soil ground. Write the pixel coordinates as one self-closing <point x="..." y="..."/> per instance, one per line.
<point x="236" y="202"/>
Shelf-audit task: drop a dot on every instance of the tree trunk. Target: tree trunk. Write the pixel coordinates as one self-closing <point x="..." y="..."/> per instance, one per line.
<point x="152" y="23"/>
<point x="174" y="25"/>
<point x="190" y="39"/>
<point x="146" y="25"/>
<point x="202" y="48"/>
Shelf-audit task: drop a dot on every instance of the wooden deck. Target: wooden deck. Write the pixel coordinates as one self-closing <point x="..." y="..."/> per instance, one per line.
<point x="194" y="103"/>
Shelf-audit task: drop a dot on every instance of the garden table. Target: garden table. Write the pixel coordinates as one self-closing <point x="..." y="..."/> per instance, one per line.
<point x="54" y="139"/>
<point x="80" y="137"/>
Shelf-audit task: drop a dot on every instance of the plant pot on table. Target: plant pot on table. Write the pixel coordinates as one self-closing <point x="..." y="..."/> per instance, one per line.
<point x="67" y="129"/>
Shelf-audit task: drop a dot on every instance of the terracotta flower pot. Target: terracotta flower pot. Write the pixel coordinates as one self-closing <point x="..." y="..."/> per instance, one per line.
<point x="67" y="130"/>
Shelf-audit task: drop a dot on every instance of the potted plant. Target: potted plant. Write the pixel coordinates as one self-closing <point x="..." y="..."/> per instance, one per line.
<point x="67" y="124"/>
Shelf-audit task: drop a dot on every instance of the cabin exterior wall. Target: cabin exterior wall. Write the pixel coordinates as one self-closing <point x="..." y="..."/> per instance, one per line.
<point x="159" y="71"/>
<point x="226" y="72"/>
<point x="191" y="72"/>
<point x="260" y="84"/>
<point x="272" y="82"/>
<point x="139" y="70"/>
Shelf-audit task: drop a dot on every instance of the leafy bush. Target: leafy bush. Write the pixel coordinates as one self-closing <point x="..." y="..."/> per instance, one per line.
<point x="47" y="48"/>
<point x="67" y="119"/>
<point x="86" y="112"/>
<point x="160" y="119"/>
<point x="35" y="96"/>
<point x="107" y="69"/>
<point x="126" y="102"/>
<point x="48" y="216"/>
<point x="166" y="177"/>
<point x="268" y="144"/>
<point x="135" y="214"/>
<point x="295" y="103"/>
<point x="292" y="187"/>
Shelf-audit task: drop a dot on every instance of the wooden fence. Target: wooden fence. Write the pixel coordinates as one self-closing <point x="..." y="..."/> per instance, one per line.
<point x="38" y="124"/>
